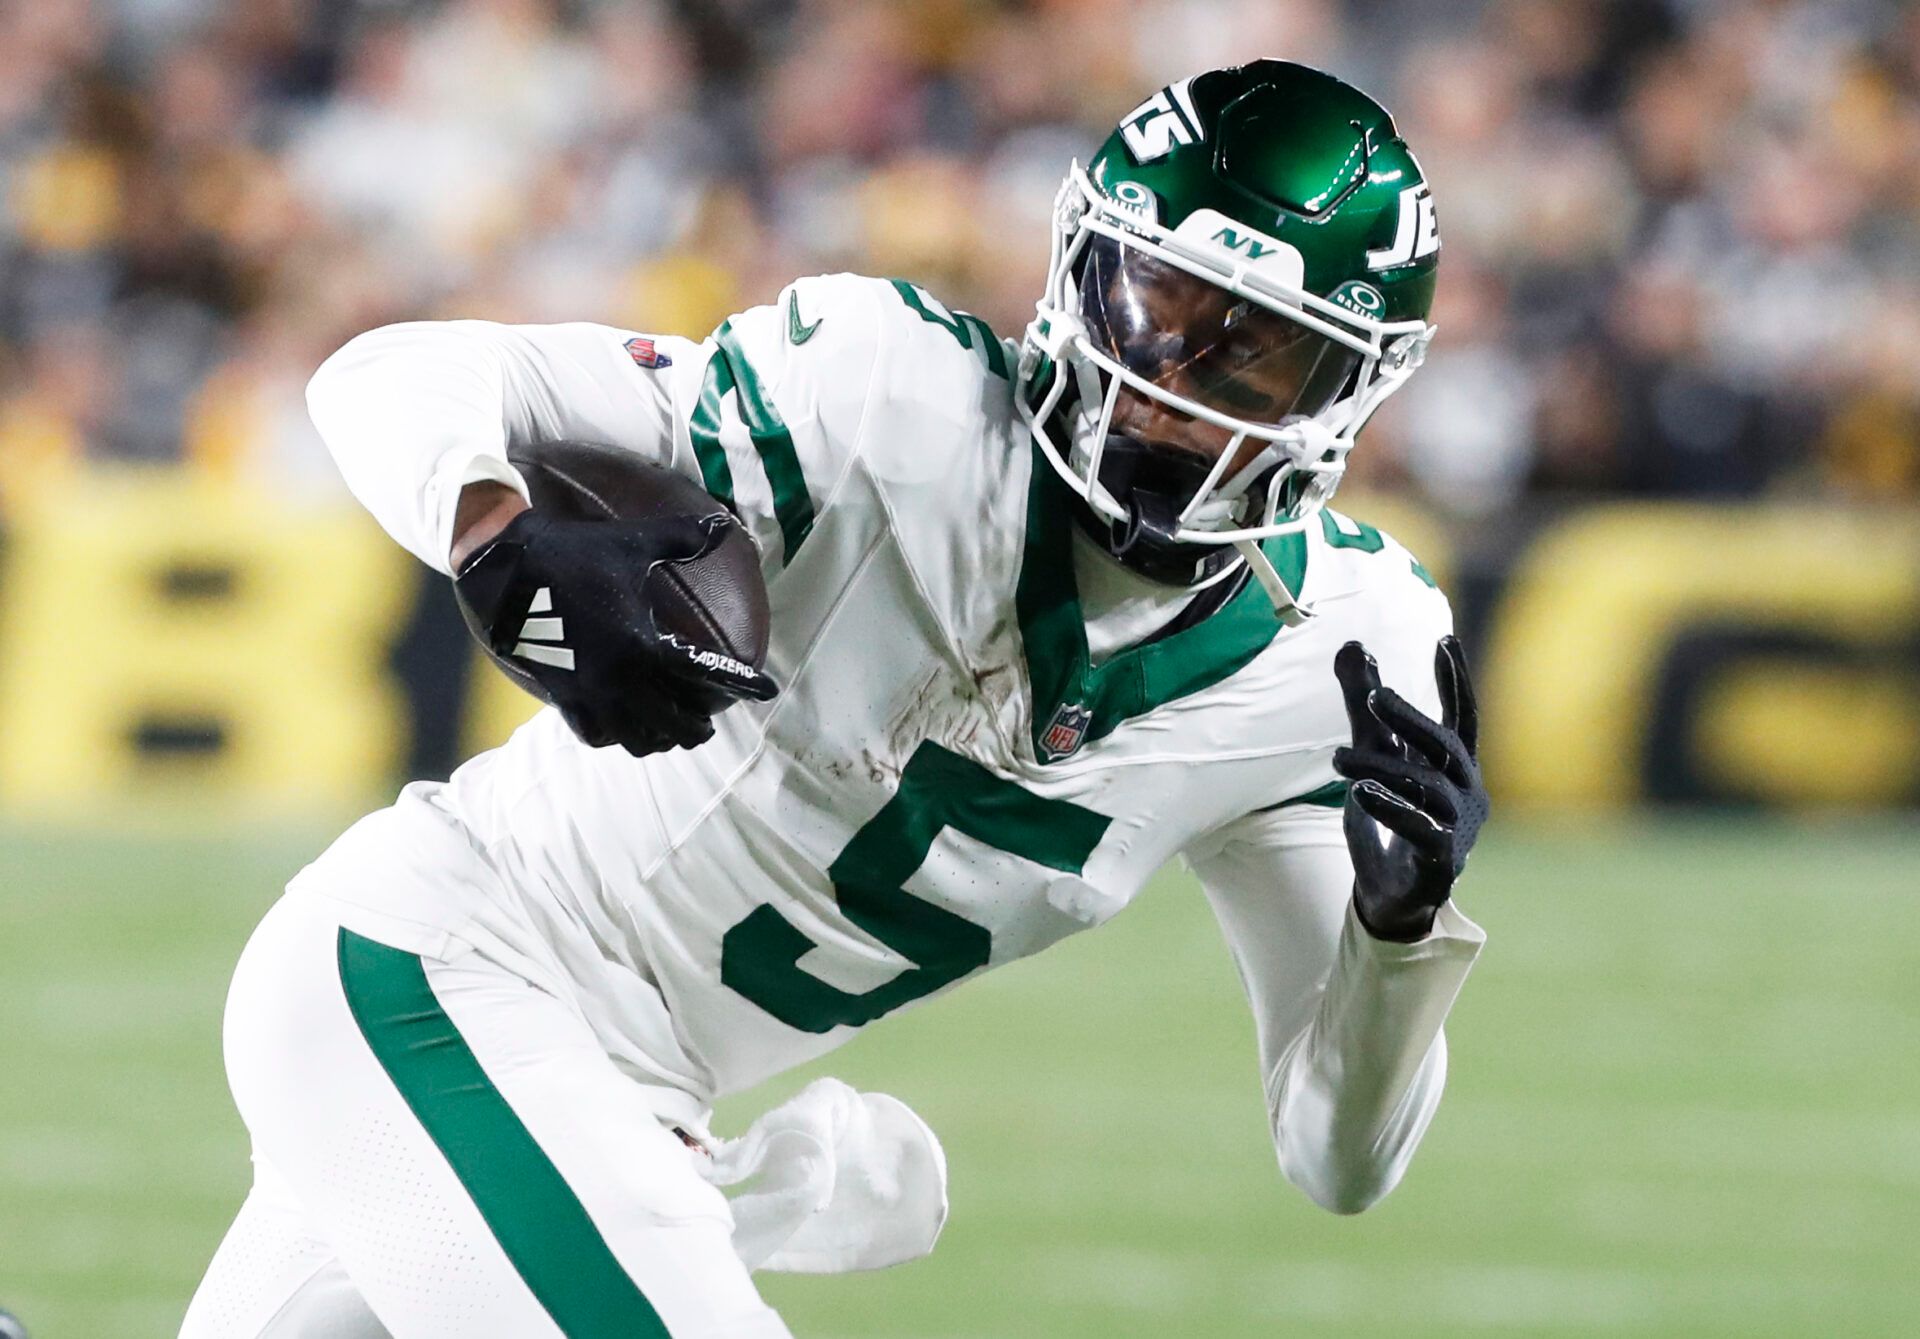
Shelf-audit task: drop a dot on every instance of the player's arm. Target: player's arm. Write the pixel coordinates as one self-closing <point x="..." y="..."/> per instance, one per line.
<point x="419" y="418"/>
<point x="1348" y="943"/>
<point x="483" y="510"/>
<point x="765" y="413"/>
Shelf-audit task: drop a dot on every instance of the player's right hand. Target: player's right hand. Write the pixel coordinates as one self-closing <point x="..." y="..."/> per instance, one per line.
<point x="615" y="675"/>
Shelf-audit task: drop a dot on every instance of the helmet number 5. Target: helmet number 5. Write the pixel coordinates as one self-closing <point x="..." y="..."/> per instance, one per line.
<point x="760" y="956"/>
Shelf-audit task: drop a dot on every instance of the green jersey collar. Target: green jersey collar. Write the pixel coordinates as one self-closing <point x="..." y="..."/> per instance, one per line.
<point x="1076" y="701"/>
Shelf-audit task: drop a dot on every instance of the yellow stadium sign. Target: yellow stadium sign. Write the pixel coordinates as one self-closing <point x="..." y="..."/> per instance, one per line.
<point x="165" y="637"/>
<point x="1803" y="615"/>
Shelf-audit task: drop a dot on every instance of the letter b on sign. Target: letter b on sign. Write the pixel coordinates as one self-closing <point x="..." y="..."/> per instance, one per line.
<point x="169" y="636"/>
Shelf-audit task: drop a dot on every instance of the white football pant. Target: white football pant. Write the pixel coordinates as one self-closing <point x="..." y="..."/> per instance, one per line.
<point x="443" y="1151"/>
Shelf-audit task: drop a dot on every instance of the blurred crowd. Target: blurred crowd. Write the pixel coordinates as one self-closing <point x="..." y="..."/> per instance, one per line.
<point x="1682" y="236"/>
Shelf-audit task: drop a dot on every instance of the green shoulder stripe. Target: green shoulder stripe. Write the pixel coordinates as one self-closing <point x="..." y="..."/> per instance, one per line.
<point x="704" y="428"/>
<point x="527" y="1204"/>
<point x="792" y="507"/>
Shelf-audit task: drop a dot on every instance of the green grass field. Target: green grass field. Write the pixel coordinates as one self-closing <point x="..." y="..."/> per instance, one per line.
<point x="1685" y="1102"/>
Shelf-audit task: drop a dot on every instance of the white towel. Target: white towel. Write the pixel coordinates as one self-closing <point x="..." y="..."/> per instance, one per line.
<point x="834" y="1180"/>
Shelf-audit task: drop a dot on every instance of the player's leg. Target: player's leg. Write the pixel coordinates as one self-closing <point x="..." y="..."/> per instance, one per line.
<point x="473" y="1158"/>
<point x="274" y="1277"/>
<point x="295" y="1071"/>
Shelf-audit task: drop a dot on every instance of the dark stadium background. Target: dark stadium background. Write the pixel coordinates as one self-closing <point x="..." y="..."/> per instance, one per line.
<point x="1665" y="458"/>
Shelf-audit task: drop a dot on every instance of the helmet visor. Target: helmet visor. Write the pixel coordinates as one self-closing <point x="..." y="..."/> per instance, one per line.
<point x="1192" y="338"/>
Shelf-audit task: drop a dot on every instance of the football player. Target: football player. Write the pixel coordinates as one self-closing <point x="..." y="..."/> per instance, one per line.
<point x="1045" y="616"/>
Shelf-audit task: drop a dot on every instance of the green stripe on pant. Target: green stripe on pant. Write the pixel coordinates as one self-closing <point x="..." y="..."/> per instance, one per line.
<point x="526" y="1203"/>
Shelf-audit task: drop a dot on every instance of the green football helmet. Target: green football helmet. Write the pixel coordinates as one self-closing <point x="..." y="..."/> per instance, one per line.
<point x="1238" y="280"/>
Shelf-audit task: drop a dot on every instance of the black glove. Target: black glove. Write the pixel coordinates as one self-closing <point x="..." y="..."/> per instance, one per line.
<point x="1420" y="780"/>
<point x="630" y="683"/>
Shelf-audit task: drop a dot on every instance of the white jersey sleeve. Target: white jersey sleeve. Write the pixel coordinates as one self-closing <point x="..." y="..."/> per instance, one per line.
<point x="413" y="413"/>
<point x="1349" y="1026"/>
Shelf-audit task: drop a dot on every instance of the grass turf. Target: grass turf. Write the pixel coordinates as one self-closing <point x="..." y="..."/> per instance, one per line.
<point x="1685" y="1102"/>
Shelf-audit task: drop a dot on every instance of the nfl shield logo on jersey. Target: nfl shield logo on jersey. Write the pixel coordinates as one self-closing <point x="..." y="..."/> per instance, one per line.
<point x="641" y="350"/>
<point x="1065" y="731"/>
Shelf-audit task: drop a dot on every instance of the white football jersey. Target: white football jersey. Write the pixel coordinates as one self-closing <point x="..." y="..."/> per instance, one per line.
<point x="982" y="744"/>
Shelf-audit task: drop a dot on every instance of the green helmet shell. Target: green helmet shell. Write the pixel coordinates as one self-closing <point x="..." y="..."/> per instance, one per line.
<point x="1291" y="190"/>
<point x="1295" y="154"/>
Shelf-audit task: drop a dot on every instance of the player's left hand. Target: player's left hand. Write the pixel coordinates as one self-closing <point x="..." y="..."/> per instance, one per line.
<point x="1420" y="780"/>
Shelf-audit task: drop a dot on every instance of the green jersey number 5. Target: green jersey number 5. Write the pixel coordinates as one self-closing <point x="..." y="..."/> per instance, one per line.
<point x="760" y="957"/>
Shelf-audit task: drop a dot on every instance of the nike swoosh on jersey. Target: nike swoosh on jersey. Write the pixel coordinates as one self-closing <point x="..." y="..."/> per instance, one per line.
<point x="796" y="332"/>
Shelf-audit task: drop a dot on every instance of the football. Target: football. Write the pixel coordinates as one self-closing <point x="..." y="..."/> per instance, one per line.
<point x="717" y="601"/>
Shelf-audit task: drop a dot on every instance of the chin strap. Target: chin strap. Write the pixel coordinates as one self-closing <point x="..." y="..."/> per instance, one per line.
<point x="1285" y="607"/>
<point x="1150" y="516"/>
